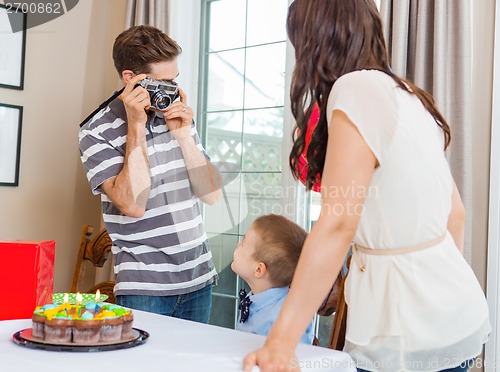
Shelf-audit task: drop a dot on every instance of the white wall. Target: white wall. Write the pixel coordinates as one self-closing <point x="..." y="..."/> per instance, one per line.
<point x="483" y="32"/>
<point x="493" y="276"/>
<point x="483" y="42"/>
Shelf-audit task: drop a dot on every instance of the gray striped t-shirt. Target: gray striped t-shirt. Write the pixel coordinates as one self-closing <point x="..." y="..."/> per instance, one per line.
<point x="165" y="252"/>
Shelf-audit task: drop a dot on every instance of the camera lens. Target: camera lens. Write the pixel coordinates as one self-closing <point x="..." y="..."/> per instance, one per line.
<point x="160" y="100"/>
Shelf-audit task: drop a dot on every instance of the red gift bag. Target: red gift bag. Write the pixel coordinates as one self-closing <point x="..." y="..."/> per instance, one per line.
<point x="26" y="277"/>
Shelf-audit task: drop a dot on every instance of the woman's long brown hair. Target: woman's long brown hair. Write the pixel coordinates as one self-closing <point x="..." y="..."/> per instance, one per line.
<point x="332" y="38"/>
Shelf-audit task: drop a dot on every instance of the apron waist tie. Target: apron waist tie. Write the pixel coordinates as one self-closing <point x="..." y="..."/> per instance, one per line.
<point x="389" y="252"/>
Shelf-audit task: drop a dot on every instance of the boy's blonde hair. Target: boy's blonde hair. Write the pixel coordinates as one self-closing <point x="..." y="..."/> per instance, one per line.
<point x="279" y="245"/>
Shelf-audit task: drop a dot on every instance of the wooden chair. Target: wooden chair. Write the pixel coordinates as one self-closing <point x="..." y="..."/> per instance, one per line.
<point x="337" y="335"/>
<point x="335" y="305"/>
<point x="95" y="250"/>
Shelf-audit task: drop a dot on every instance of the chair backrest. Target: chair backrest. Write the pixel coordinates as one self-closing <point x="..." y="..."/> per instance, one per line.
<point x="95" y="250"/>
<point x="337" y="335"/>
<point x="335" y="305"/>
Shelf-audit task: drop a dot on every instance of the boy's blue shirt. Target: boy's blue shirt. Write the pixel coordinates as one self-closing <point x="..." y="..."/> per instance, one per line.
<point x="264" y="311"/>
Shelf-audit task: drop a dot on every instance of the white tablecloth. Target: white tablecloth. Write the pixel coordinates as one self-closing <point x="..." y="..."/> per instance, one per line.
<point x="174" y="345"/>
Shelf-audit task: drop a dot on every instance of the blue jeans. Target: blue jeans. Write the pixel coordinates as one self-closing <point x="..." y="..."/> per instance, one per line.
<point x="193" y="306"/>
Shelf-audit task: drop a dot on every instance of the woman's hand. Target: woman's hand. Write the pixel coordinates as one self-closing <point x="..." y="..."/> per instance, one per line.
<point x="273" y="356"/>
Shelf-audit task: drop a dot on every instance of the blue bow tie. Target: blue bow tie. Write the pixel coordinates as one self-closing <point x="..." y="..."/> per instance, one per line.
<point x="244" y="306"/>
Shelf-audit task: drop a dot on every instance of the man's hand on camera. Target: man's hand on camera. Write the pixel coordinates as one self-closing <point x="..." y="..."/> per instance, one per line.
<point x="179" y="117"/>
<point x="136" y="101"/>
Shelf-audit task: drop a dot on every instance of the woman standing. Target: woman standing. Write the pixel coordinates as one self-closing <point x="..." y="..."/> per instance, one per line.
<point x="414" y="302"/>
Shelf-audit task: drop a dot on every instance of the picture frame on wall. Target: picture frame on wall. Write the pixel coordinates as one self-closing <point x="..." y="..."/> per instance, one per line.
<point x="11" y="118"/>
<point x="13" y="47"/>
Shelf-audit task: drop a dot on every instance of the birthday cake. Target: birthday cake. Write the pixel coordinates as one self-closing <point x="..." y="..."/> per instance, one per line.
<point x="82" y="323"/>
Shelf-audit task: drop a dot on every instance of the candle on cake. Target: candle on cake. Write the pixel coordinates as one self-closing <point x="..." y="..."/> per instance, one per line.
<point x="66" y="303"/>
<point x="78" y="302"/>
<point x="97" y="297"/>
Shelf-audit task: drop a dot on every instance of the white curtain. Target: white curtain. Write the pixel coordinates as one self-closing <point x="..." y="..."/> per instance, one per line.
<point x="147" y="12"/>
<point x="430" y="44"/>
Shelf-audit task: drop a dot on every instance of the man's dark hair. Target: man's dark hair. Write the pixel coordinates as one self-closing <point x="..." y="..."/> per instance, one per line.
<point x="138" y="47"/>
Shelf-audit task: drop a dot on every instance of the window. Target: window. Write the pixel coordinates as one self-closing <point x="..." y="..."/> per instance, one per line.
<point x="241" y="105"/>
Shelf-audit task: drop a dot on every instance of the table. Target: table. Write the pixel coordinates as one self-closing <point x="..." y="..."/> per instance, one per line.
<point x="174" y="345"/>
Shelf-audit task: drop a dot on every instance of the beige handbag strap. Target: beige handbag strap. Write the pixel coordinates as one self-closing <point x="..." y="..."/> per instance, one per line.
<point x="389" y="252"/>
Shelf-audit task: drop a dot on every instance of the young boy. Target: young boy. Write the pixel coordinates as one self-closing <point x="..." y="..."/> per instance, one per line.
<point x="266" y="259"/>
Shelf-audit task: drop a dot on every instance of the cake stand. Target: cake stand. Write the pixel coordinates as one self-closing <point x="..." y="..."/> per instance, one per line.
<point x="25" y="338"/>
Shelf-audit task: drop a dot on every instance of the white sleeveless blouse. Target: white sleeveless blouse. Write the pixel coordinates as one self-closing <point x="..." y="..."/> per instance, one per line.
<point x="419" y="311"/>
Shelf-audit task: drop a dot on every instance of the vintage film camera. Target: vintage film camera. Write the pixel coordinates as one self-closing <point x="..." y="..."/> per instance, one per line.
<point x="162" y="93"/>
